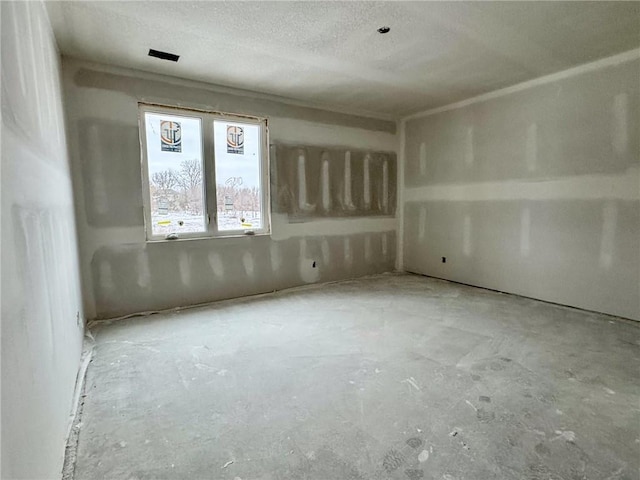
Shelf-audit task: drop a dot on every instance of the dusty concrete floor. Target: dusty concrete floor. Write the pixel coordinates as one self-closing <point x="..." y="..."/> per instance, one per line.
<point x="389" y="377"/>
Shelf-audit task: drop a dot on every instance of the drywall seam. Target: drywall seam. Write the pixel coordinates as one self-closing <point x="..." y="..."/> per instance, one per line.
<point x="381" y="121"/>
<point x="233" y="90"/>
<point x="554" y="77"/>
<point x="400" y="196"/>
<point x="289" y="131"/>
<point x="624" y="186"/>
<point x="340" y="226"/>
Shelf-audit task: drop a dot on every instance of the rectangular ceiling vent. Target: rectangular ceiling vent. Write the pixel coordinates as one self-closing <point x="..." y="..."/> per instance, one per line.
<point x="163" y="55"/>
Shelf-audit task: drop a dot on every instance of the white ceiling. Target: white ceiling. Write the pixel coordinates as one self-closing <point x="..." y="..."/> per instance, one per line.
<point x="329" y="53"/>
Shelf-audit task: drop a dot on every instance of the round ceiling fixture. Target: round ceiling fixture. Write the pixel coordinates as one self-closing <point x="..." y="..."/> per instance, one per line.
<point x="384" y="30"/>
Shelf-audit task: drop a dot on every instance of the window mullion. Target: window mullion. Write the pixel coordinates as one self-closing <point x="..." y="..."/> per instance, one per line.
<point x="210" y="175"/>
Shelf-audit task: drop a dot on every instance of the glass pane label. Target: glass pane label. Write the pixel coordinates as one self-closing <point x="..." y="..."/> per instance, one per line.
<point x="174" y="160"/>
<point x="238" y="175"/>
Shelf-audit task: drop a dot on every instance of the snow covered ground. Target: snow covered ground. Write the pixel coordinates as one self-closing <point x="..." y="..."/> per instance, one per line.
<point x="176" y="222"/>
<point x="232" y="221"/>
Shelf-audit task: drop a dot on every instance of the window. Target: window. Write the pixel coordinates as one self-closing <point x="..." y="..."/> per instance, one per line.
<point x="204" y="174"/>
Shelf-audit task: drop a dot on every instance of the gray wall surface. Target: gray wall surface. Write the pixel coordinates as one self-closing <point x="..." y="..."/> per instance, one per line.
<point x="337" y="183"/>
<point x="123" y="274"/>
<point x="535" y="192"/>
<point x="42" y="324"/>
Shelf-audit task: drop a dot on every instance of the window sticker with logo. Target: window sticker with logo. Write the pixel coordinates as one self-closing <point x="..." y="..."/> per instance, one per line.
<point x="170" y="136"/>
<point x="235" y="139"/>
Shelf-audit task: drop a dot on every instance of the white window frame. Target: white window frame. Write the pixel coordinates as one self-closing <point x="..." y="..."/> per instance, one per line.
<point x="207" y="119"/>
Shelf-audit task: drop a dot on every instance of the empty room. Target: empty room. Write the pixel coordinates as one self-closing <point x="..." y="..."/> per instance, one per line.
<point x="320" y="240"/>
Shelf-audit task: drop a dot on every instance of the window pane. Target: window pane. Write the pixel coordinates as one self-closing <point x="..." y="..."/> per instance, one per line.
<point x="174" y="159"/>
<point x="238" y="183"/>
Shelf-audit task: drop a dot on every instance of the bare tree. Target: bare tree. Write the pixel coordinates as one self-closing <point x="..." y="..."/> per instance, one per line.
<point x="190" y="182"/>
<point x="245" y="200"/>
<point x="164" y="181"/>
<point x="190" y="175"/>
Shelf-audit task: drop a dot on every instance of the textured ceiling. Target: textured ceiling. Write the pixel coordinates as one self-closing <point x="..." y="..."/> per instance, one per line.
<point x="329" y="53"/>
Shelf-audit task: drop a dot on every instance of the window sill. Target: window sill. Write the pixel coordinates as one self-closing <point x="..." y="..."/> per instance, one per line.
<point x="208" y="237"/>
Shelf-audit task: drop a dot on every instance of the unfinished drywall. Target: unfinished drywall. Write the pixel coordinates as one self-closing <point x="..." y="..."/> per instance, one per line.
<point x="313" y="182"/>
<point x="535" y="192"/>
<point x="125" y="274"/>
<point x="42" y="322"/>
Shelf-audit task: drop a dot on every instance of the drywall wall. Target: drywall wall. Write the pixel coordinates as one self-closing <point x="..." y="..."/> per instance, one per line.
<point x="42" y="324"/>
<point x="534" y="191"/>
<point x="325" y="182"/>
<point x="124" y="274"/>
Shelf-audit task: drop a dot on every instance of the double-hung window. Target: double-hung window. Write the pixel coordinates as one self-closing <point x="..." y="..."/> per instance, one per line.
<point x="203" y="173"/>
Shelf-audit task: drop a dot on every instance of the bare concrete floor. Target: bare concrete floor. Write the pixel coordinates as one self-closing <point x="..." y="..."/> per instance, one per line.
<point x="389" y="377"/>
